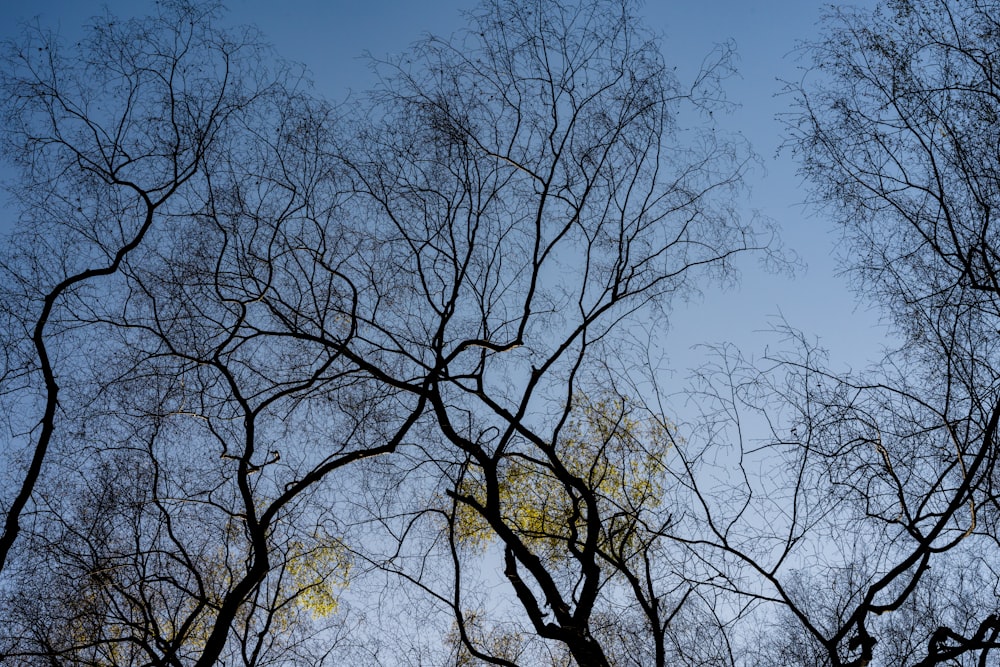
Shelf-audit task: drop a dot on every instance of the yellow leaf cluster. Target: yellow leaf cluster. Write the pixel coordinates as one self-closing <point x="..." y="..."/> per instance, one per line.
<point x="318" y="573"/>
<point x="617" y="456"/>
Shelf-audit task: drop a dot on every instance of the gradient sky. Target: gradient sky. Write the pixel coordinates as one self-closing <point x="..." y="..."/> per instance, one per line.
<point x="330" y="37"/>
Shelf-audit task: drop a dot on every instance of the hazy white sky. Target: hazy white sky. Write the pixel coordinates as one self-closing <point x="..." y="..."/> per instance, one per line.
<point x="330" y="37"/>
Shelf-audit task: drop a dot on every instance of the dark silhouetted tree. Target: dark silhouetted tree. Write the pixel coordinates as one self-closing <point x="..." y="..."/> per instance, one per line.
<point x="262" y="348"/>
<point x="898" y="133"/>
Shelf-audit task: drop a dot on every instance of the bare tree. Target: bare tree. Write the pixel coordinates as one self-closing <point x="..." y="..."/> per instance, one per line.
<point x="535" y="190"/>
<point x="105" y="141"/>
<point x="169" y="174"/>
<point x="823" y="534"/>
<point x="382" y="337"/>
<point x="897" y="131"/>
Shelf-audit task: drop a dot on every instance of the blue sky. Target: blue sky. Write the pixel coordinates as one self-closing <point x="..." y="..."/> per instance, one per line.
<point x="330" y="37"/>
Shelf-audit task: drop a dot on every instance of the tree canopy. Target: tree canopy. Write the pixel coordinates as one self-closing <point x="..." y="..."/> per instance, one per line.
<point x="293" y="382"/>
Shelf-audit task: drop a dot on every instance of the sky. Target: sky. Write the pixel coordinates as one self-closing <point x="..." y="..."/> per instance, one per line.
<point x="331" y="36"/>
